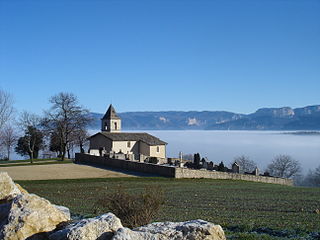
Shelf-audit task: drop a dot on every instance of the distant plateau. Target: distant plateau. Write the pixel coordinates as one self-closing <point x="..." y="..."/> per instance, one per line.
<point x="285" y="118"/>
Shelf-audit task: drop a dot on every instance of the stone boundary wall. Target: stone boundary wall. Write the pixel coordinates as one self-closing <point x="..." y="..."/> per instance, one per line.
<point x="175" y="172"/>
<point x="191" y="173"/>
<point x="165" y="171"/>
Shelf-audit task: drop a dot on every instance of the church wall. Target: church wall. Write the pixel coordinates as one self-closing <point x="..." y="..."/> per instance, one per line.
<point x="192" y="173"/>
<point x="126" y="165"/>
<point x="144" y="149"/>
<point x="155" y="153"/>
<point x="136" y="147"/>
<point x="151" y="151"/>
<point x="100" y="141"/>
<point x="123" y="146"/>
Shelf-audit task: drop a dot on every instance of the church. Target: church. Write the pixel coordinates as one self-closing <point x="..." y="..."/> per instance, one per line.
<point x="113" y="143"/>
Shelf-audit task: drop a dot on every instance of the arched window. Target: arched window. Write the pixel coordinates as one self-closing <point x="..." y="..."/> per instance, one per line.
<point x="128" y="144"/>
<point x="158" y="149"/>
<point x="115" y="126"/>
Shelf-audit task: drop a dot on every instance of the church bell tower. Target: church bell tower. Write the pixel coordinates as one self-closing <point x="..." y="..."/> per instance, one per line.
<point x="111" y="122"/>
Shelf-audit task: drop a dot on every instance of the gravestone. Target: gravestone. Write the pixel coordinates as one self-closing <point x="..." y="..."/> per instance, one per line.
<point x="235" y="167"/>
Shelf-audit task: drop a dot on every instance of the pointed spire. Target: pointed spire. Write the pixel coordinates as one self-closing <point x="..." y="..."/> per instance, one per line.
<point x="111" y="113"/>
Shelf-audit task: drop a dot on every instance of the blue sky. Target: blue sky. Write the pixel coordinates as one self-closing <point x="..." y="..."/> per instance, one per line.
<point x="161" y="55"/>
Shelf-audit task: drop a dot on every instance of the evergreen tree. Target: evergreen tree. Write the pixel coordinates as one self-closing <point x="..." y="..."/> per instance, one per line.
<point x="221" y="167"/>
<point x="196" y="160"/>
<point x="30" y="143"/>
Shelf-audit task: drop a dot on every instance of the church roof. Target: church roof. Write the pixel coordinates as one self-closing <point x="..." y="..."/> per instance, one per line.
<point x="111" y="113"/>
<point x="123" y="136"/>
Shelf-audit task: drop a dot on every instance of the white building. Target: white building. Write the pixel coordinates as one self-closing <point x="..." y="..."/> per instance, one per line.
<point x="130" y="145"/>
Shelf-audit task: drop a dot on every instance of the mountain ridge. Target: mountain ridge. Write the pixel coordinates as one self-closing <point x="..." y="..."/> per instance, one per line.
<point x="282" y="118"/>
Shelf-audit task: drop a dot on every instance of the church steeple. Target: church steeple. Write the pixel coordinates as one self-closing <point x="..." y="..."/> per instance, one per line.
<point x="111" y="122"/>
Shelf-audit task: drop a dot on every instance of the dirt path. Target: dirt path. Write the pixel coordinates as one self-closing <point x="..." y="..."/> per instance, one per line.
<point x="60" y="171"/>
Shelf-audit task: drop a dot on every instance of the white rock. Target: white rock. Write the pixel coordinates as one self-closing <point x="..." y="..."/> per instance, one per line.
<point x="128" y="234"/>
<point x="101" y="227"/>
<point x="190" y="230"/>
<point x="27" y="215"/>
<point x="63" y="209"/>
<point x="8" y="189"/>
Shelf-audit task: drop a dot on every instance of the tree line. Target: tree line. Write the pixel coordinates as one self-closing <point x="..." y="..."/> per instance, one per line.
<point x="61" y="128"/>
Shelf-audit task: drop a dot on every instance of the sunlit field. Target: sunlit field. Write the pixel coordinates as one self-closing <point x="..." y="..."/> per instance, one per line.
<point x="242" y="208"/>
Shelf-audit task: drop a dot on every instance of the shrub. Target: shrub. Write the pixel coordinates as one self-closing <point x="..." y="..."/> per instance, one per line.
<point x="221" y="167"/>
<point x="133" y="209"/>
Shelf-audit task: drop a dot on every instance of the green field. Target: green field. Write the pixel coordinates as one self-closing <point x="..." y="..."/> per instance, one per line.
<point x="238" y="206"/>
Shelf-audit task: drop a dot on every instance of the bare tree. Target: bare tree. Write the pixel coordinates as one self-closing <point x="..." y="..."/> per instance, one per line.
<point x="65" y="118"/>
<point x="2" y="157"/>
<point x="284" y="166"/>
<point x="245" y="163"/>
<point x="6" y="107"/>
<point x="313" y="178"/>
<point x="316" y="176"/>
<point x="8" y="139"/>
<point x="81" y="138"/>
<point x="70" y="148"/>
<point x="78" y="138"/>
<point x="27" y="119"/>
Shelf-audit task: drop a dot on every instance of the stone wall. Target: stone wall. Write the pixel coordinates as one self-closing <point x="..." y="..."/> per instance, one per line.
<point x="165" y="171"/>
<point x="175" y="172"/>
<point x="191" y="173"/>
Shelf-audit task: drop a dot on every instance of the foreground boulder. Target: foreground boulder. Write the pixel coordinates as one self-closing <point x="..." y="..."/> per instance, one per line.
<point x="128" y="234"/>
<point x="24" y="215"/>
<point x="101" y="227"/>
<point x="8" y="189"/>
<point x="195" y="230"/>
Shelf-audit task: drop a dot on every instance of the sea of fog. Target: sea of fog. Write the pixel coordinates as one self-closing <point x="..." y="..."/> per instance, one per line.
<point x="260" y="146"/>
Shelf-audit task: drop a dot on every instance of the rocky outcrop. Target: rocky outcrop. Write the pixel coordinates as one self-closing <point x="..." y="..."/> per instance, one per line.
<point x="8" y="189"/>
<point x="101" y="227"/>
<point x="108" y="226"/>
<point x="24" y="215"/>
<point x="27" y="215"/>
<point x="195" y="229"/>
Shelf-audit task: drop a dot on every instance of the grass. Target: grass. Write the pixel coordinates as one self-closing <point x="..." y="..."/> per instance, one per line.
<point x="28" y="160"/>
<point x="239" y="206"/>
<point x="15" y="163"/>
